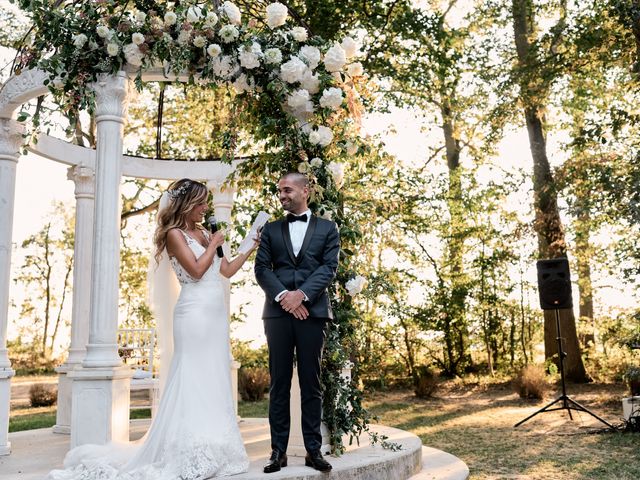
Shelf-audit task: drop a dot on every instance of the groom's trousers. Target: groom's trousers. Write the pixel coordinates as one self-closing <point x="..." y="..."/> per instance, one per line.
<point x="306" y="337"/>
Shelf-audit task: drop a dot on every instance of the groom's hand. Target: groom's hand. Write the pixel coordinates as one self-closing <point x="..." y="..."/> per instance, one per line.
<point x="301" y="312"/>
<point x="291" y="300"/>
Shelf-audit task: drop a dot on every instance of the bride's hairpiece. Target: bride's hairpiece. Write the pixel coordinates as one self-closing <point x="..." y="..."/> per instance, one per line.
<point x="180" y="191"/>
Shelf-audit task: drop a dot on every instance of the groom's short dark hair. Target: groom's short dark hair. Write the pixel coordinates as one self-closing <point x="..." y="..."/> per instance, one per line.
<point x="299" y="178"/>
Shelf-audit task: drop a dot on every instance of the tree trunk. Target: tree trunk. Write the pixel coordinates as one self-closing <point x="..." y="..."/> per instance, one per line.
<point x="551" y="241"/>
<point x="583" y="259"/>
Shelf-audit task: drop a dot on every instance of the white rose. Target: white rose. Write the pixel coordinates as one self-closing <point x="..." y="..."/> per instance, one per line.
<point x="229" y="33"/>
<point x="355" y="285"/>
<point x="214" y="50"/>
<point x="113" y="49"/>
<point x="335" y="58"/>
<point x="170" y="18"/>
<point x="323" y="136"/>
<point x="336" y="170"/>
<point x="355" y="69"/>
<point x="331" y="98"/>
<point x="223" y="66"/>
<point x="103" y="31"/>
<point x="303" y="167"/>
<point x="250" y="56"/>
<point x="79" y="40"/>
<point x="194" y="13"/>
<point x="132" y="54"/>
<point x="293" y="70"/>
<point x="276" y="14"/>
<point x="137" y="38"/>
<point x="243" y="84"/>
<point x="316" y="162"/>
<point x="310" y="82"/>
<point x="212" y="19"/>
<point x="299" y="34"/>
<point x="311" y="56"/>
<point x="273" y="56"/>
<point x="300" y="101"/>
<point x="141" y="16"/>
<point x="184" y="37"/>
<point x="349" y="46"/>
<point x="199" y="41"/>
<point x="326" y="214"/>
<point x="232" y="12"/>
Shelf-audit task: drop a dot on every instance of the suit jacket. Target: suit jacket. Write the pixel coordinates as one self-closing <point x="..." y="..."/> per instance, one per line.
<point x="312" y="271"/>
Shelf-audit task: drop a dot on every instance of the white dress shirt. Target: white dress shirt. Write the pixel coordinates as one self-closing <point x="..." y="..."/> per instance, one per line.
<point x="297" y="231"/>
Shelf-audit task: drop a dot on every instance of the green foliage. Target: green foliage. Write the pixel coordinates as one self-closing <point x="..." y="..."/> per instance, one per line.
<point x="42" y="395"/>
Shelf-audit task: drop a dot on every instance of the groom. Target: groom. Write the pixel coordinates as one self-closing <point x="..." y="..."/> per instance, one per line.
<point x="296" y="261"/>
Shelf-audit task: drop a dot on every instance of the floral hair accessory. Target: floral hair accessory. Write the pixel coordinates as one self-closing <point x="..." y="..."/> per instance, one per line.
<point x="180" y="191"/>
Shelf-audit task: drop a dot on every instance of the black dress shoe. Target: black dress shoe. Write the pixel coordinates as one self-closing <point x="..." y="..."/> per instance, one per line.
<point x="316" y="461"/>
<point x="276" y="462"/>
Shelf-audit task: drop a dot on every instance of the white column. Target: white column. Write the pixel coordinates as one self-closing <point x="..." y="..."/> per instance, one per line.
<point x="10" y="141"/>
<point x="84" y="180"/>
<point x="100" y="399"/>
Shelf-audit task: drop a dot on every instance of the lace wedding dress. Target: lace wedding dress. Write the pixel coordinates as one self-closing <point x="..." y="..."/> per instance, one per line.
<point x="194" y="434"/>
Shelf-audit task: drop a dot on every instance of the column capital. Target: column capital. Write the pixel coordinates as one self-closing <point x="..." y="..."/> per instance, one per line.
<point x="10" y="139"/>
<point x="112" y="97"/>
<point x="84" y="179"/>
<point x="222" y="194"/>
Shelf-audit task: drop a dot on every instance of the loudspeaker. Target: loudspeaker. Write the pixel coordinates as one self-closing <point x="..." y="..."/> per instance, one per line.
<point x="554" y="284"/>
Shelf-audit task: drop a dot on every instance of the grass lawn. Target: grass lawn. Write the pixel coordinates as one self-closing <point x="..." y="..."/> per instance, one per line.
<point x="475" y="422"/>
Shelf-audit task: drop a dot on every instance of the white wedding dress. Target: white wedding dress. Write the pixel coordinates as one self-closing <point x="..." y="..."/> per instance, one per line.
<point x="194" y="434"/>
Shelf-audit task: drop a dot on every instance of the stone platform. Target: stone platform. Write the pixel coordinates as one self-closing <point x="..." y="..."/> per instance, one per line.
<point x="35" y="452"/>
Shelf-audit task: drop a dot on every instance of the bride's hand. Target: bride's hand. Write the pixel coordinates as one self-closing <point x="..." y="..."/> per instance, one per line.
<point x="217" y="239"/>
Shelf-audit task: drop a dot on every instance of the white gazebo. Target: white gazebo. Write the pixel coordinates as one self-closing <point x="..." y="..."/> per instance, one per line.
<point x="93" y="389"/>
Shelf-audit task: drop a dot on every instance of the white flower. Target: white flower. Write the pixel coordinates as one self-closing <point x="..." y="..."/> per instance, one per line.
<point x="316" y="162"/>
<point x="327" y="214"/>
<point x="184" y="37"/>
<point x="349" y="46"/>
<point x="323" y="136"/>
<point x="167" y="38"/>
<point x="141" y="16"/>
<point x="300" y="102"/>
<point x="113" y="49"/>
<point x="214" y="50"/>
<point x="79" y="40"/>
<point x="331" y="98"/>
<point x="250" y="56"/>
<point x="273" y="56"/>
<point x="137" y="38"/>
<point x="335" y="58"/>
<point x="303" y="167"/>
<point x="223" y="66"/>
<point x="276" y="14"/>
<point x="132" y="54"/>
<point x="229" y="33"/>
<point x="199" y="41"/>
<point x="355" y="285"/>
<point x="351" y="148"/>
<point x="194" y="13"/>
<point x="299" y="34"/>
<point x="293" y="70"/>
<point x="355" y="69"/>
<point x="336" y="169"/>
<point x="211" y="20"/>
<point x="170" y="18"/>
<point x="103" y="31"/>
<point x="243" y="83"/>
<point x="311" y="56"/>
<point x="310" y="82"/>
<point x="232" y="12"/>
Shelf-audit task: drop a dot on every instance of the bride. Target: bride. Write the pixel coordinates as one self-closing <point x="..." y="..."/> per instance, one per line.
<point x="195" y="434"/>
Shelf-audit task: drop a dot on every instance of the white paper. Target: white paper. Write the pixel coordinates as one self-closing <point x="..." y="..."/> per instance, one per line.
<point x="258" y="223"/>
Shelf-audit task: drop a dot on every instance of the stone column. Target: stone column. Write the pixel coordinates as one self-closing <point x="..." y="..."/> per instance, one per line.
<point x="84" y="180"/>
<point x="222" y="205"/>
<point x="10" y="141"/>
<point x="100" y="403"/>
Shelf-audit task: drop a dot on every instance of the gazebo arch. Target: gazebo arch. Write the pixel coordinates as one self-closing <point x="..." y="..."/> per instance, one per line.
<point x="92" y="378"/>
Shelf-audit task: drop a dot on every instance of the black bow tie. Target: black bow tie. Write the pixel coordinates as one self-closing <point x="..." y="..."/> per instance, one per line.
<point x="295" y="218"/>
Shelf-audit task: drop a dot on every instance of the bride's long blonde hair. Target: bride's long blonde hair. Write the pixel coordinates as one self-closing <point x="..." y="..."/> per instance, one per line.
<point x="184" y="195"/>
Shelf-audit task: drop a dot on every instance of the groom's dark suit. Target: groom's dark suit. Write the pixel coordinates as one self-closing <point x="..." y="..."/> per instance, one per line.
<point x="311" y="271"/>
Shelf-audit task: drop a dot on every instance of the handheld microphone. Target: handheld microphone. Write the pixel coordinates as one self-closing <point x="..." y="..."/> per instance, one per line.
<point x="213" y="228"/>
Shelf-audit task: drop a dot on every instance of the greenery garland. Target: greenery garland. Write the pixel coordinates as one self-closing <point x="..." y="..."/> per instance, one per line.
<point x="300" y="93"/>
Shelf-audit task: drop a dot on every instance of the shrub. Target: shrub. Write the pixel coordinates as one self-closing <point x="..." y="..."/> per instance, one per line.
<point x="531" y="382"/>
<point x="253" y="383"/>
<point x="42" y="395"/>
<point x="426" y="383"/>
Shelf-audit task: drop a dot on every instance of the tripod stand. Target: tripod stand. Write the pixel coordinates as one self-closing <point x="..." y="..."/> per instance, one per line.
<point x="566" y="402"/>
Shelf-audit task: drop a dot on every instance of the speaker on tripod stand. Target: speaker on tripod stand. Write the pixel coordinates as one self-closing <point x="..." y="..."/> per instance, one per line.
<point x="554" y="288"/>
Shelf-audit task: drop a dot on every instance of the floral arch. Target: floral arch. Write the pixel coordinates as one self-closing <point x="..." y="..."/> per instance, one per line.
<point x="300" y="93"/>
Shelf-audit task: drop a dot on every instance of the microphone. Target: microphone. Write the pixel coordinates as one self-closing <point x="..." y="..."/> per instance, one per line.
<point x="213" y="227"/>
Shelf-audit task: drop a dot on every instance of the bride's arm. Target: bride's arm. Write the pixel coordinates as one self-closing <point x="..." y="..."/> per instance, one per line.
<point x="229" y="268"/>
<point x="177" y="247"/>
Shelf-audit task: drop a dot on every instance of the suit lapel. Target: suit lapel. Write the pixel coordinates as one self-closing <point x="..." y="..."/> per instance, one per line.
<point x="287" y="239"/>
<point x="307" y="237"/>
